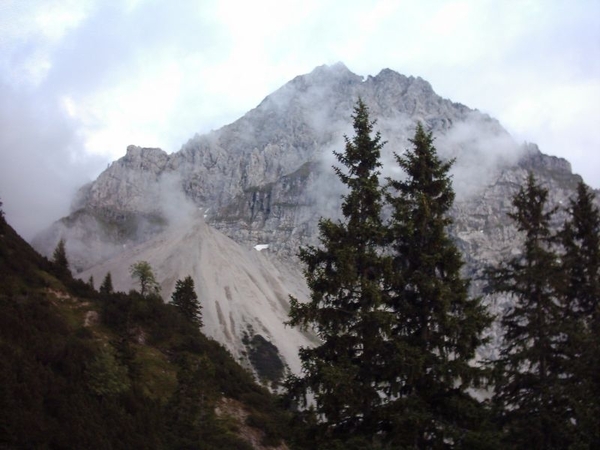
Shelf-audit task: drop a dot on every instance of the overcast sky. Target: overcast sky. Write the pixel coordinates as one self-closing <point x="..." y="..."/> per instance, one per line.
<point x="82" y="79"/>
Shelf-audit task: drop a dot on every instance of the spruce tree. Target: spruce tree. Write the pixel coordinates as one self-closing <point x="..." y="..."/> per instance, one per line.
<point x="106" y="287"/>
<point x="59" y="256"/>
<point x="528" y="390"/>
<point x="580" y="238"/>
<point x="347" y="306"/>
<point x="437" y="325"/>
<point x="185" y="299"/>
<point x="580" y="303"/>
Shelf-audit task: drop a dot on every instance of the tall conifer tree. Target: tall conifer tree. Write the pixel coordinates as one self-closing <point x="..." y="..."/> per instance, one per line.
<point x="346" y="307"/>
<point x="580" y="238"/>
<point x="107" y="286"/>
<point x="529" y="390"/>
<point x="580" y="305"/>
<point x="185" y="299"/>
<point x="59" y="256"/>
<point x="437" y="325"/>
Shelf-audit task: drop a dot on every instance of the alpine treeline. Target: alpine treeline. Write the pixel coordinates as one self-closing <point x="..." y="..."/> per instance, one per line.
<point x="398" y="328"/>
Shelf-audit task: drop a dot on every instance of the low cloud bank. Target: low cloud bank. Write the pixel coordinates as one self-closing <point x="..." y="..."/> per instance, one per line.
<point x="41" y="166"/>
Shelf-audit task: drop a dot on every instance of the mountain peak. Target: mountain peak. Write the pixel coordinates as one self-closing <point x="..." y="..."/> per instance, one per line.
<point x="338" y="67"/>
<point x="332" y="73"/>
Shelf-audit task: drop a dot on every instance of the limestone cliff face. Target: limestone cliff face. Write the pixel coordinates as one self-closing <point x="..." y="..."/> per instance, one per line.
<point x="267" y="178"/>
<point x="130" y="184"/>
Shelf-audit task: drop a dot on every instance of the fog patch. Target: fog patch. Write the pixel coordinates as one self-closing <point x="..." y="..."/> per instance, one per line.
<point x="41" y="166"/>
<point x="93" y="235"/>
<point x="173" y="205"/>
<point x="481" y="149"/>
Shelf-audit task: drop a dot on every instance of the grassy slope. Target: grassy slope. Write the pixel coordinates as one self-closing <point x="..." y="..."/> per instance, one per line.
<point x="82" y="370"/>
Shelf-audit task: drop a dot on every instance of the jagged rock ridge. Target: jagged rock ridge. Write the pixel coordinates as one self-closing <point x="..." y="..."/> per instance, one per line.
<point x="267" y="178"/>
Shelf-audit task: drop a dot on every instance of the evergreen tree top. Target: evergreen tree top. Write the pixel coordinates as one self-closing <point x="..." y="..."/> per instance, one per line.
<point x="426" y="173"/>
<point x="363" y="151"/>
<point x="185" y="299"/>
<point x="361" y="206"/>
<point x="60" y="255"/>
<point x="531" y="214"/>
<point x="585" y="215"/>
<point x="106" y="287"/>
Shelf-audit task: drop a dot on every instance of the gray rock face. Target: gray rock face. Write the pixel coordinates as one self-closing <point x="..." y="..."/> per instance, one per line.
<point x="267" y="178"/>
<point x="130" y="184"/>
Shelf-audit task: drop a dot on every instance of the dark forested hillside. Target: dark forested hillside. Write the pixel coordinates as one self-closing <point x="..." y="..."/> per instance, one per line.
<point x="80" y="369"/>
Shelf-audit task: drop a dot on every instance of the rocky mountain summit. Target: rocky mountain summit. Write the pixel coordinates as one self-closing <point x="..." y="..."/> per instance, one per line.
<point x="266" y="179"/>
